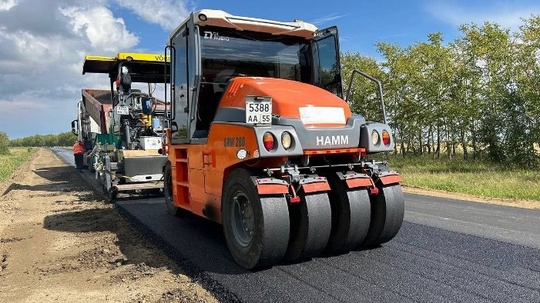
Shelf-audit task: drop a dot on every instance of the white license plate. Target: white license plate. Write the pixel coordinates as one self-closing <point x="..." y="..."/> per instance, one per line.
<point x="122" y="110"/>
<point x="258" y="110"/>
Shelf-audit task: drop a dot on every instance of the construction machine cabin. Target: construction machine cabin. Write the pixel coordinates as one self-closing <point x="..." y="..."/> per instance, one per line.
<point x="262" y="141"/>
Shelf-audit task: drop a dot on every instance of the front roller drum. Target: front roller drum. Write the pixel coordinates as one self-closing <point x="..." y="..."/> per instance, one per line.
<point x="256" y="228"/>
<point x="387" y="210"/>
<point x="311" y="223"/>
<point x="351" y="211"/>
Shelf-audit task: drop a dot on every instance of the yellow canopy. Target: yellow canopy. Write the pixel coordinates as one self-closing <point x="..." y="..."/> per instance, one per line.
<point x="147" y="68"/>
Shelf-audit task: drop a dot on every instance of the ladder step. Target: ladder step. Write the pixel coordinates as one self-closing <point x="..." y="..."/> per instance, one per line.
<point x="181" y="183"/>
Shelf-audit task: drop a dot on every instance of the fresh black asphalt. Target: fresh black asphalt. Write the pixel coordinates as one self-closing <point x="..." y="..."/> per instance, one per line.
<point x="422" y="264"/>
<point x="446" y="251"/>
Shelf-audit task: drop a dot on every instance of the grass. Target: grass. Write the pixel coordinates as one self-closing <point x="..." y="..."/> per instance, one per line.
<point x="10" y="163"/>
<point x="476" y="178"/>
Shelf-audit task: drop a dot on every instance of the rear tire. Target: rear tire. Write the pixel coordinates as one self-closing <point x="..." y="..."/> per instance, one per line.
<point x="351" y="216"/>
<point x="256" y="229"/>
<point x="168" y="191"/>
<point x="311" y="223"/>
<point x="111" y="194"/>
<point x="387" y="210"/>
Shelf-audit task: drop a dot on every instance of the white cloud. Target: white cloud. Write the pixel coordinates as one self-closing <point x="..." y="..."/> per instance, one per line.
<point x="98" y="25"/>
<point x="328" y="18"/>
<point x="166" y="13"/>
<point x="42" y="47"/>
<point x="6" y="5"/>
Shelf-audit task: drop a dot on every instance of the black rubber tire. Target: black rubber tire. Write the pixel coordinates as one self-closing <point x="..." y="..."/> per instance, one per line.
<point x="311" y="224"/>
<point x="111" y="194"/>
<point x="351" y="216"/>
<point x="168" y="191"/>
<point x="152" y="192"/>
<point x="387" y="211"/>
<point x="258" y="237"/>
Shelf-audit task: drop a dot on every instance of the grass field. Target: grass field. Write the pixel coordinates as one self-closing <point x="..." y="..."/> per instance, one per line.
<point x="16" y="158"/>
<point x="468" y="177"/>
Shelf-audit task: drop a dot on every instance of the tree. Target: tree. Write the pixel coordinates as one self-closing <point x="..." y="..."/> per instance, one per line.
<point x="4" y="144"/>
<point x="399" y="94"/>
<point x="524" y="139"/>
<point x="431" y="67"/>
<point x="62" y="139"/>
<point x="479" y="92"/>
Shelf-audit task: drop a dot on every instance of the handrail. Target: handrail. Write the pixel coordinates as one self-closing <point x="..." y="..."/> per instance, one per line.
<point x="379" y="85"/>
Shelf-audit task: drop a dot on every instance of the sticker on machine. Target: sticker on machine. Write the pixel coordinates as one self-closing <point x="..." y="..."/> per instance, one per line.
<point x="322" y="115"/>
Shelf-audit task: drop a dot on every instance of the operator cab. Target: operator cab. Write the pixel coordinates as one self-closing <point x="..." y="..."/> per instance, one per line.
<point x="212" y="47"/>
<point x="135" y="115"/>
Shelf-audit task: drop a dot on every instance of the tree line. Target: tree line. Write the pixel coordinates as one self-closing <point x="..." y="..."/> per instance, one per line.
<point x="62" y="139"/>
<point x="476" y="97"/>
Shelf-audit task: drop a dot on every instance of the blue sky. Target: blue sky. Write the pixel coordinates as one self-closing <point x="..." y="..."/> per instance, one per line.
<point x="364" y="23"/>
<point x="43" y="42"/>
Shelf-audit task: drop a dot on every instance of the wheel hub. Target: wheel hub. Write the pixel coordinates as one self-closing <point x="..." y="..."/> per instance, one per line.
<point x="243" y="222"/>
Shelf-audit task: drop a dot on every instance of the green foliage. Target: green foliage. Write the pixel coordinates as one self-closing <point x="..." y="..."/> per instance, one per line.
<point x="4" y="144"/>
<point x="476" y="97"/>
<point x="12" y="161"/>
<point x="62" y="139"/>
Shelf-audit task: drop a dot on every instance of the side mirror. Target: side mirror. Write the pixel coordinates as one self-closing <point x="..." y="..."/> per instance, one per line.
<point x="174" y="127"/>
<point x="74" y="129"/>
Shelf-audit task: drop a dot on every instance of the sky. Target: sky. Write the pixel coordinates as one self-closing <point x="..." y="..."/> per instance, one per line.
<point x="43" y="42"/>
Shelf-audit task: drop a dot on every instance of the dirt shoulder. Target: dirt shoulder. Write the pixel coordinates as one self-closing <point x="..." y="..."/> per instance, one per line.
<point x="61" y="242"/>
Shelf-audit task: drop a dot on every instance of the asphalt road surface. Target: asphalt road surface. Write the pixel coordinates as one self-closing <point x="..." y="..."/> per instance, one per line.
<point x="446" y="251"/>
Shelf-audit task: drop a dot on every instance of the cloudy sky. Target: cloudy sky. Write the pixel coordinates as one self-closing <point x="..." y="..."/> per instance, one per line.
<point x="43" y="42"/>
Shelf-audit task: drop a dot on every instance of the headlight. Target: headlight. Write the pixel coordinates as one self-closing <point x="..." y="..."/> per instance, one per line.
<point x="375" y="138"/>
<point x="286" y="140"/>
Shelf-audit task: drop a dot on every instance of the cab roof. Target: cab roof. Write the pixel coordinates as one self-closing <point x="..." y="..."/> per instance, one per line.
<point x="143" y="67"/>
<point x="223" y="19"/>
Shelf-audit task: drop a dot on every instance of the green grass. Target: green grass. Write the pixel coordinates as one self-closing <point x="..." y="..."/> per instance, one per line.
<point x="476" y="178"/>
<point x="10" y="163"/>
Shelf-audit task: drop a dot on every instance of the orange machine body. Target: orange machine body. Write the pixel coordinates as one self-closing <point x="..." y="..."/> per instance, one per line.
<point x="200" y="170"/>
<point x="287" y="96"/>
<point x="259" y="138"/>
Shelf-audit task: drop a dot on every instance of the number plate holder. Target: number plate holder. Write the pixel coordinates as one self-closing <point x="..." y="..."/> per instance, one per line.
<point x="122" y="110"/>
<point x="258" y="110"/>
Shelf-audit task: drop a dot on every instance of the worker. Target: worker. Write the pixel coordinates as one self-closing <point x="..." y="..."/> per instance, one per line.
<point x="125" y="80"/>
<point x="78" y="151"/>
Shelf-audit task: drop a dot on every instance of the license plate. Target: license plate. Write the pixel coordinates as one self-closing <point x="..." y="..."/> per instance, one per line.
<point x="258" y="110"/>
<point x="122" y="110"/>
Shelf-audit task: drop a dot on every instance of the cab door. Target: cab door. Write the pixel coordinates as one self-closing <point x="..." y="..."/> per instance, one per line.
<point x="326" y="63"/>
